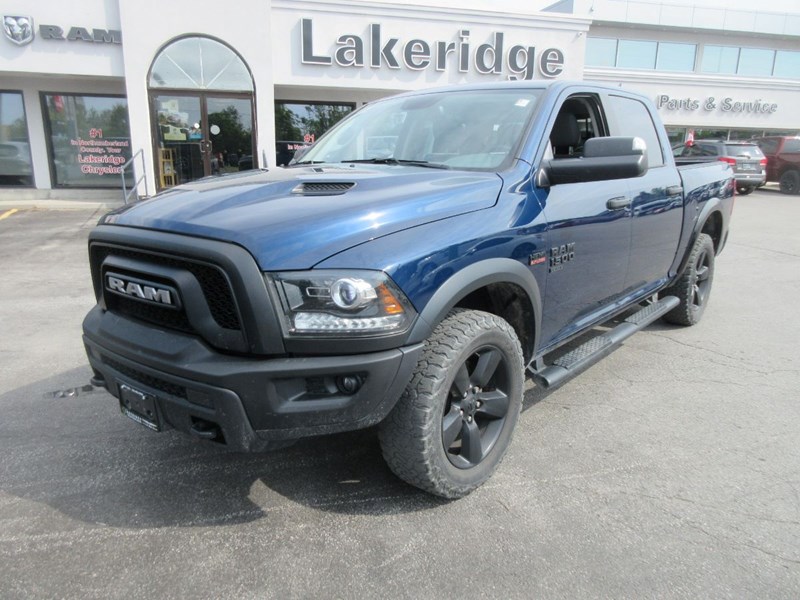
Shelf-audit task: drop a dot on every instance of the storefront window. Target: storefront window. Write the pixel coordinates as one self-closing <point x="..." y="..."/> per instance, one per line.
<point x="787" y="64"/>
<point x="89" y="139"/>
<point x="677" y="135"/>
<point x="754" y="61"/>
<point x="675" y="57"/>
<point x="636" y="55"/>
<point x="601" y="52"/>
<point x="299" y="124"/>
<point x="710" y="134"/>
<point x="720" y="59"/>
<point x="15" y="152"/>
<point x="744" y="134"/>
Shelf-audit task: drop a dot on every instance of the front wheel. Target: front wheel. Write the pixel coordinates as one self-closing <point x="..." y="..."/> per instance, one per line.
<point x="454" y="422"/>
<point x="744" y="190"/>
<point x="693" y="286"/>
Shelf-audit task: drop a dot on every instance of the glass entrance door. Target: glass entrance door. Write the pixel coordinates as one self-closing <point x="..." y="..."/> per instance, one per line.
<point x="230" y="128"/>
<point x="179" y="139"/>
<point x="198" y="135"/>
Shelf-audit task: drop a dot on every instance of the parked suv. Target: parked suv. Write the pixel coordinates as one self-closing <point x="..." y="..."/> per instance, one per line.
<point x="745" y="158"/>
<point x="783" y="161"/>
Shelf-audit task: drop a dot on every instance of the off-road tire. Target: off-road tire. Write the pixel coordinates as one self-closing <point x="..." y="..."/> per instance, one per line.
<point x="412" y="436"/>
<point x="693" y="287"/>
<point x="790" y="182"/>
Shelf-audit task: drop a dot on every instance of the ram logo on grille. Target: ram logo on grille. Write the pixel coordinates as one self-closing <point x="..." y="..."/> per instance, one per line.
<point x="142" y="290"/>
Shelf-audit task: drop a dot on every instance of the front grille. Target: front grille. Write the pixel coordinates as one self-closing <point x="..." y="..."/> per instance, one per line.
<point x="212" y="281"/>
<point x="152" y="313"/>
<point x="145" y="379"/>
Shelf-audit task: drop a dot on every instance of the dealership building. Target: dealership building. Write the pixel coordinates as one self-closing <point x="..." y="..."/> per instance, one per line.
<point x="207" y="88"/>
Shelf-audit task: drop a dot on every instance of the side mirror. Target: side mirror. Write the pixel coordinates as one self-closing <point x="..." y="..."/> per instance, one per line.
<point x="603" y="158"/>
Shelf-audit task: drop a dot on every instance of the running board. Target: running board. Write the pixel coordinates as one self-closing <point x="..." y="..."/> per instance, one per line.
<point x="585" y="355"/>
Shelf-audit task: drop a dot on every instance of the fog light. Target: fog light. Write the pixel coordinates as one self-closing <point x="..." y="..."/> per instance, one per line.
<point x="349" y="384"/>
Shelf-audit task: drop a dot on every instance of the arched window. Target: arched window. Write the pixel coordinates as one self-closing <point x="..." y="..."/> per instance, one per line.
<point x="200" y="63"/>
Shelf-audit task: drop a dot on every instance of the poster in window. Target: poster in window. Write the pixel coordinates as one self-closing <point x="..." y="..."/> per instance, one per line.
<point x="89" y="140"/>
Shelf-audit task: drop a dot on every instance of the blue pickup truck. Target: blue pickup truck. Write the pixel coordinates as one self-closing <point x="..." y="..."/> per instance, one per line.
<point x="409" y="270"/>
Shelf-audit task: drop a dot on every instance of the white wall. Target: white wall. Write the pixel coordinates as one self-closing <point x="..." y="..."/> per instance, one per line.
<point x="246" y="29"/>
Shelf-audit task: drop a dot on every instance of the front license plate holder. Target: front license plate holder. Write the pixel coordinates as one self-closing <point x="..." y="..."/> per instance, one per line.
<point x="140" y="407"/>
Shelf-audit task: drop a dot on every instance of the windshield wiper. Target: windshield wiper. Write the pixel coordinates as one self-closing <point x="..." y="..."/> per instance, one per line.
<point x="306" y="162"/>
<point x="398" y="161"/>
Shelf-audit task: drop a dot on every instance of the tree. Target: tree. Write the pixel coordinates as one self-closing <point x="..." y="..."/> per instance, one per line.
<point x="286" y="128"/>
<point x="232" y="136"/>
<point x="321" y="117"/>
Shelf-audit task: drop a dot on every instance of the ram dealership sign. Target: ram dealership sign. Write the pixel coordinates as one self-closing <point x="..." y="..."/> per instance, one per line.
<point x="378" y="51"/>
<point x="20" y="31"/>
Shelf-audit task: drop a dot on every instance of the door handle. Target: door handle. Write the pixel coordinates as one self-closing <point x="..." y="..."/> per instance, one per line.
<point x="675" y="190"/>
<point x="618" y="202"/>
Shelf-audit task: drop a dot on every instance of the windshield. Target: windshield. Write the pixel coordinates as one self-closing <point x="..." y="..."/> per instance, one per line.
<point x="460" y="130"/>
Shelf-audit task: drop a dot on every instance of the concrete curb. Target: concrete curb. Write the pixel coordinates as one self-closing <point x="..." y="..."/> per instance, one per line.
<point x="58" y="204"/>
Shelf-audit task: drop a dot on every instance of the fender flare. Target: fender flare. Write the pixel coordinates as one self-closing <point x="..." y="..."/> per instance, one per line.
<point x="471" y="278"/>
<point x="712" y="205"/>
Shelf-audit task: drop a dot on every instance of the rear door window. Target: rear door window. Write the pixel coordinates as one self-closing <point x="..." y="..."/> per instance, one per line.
<point x="791" y="146"/>
<point x="634" y="120"/>
<point x="769" y="146"/>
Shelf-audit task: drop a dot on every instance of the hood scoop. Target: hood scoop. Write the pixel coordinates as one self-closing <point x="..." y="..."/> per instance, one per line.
<point x="323" y="188"/>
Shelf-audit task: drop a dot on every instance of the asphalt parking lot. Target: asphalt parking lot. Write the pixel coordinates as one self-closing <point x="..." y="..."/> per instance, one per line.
<point x="671" y="469"/>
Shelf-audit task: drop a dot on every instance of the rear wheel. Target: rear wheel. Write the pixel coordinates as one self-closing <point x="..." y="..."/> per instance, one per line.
<point x="743" y="190"/>
<point x="454" y="422"/>
<point x="790" y="182"/>
<point x="693" y="287"/>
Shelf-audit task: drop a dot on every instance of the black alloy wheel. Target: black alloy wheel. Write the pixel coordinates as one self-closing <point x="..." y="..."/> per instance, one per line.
<point x="477" y="408"/>
<point x="454" y="422"/>
<point x="702" y="278"/>
<point x="693" y="286"/>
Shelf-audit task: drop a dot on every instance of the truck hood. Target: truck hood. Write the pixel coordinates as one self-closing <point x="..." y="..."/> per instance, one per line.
<point x="294" y="218"/>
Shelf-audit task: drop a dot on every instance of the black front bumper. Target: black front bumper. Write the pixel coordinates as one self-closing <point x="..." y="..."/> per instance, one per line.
<point x="245" y="401"/>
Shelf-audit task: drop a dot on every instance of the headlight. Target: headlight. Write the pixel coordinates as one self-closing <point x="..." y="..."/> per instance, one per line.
<point x="340" y="303"/>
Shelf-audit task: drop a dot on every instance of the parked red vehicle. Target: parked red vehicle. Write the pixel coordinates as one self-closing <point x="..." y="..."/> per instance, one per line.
<point x="783" y="161"/>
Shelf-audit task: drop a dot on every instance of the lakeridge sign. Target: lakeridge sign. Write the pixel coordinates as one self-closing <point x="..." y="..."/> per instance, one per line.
<point x="379" y="51"/>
